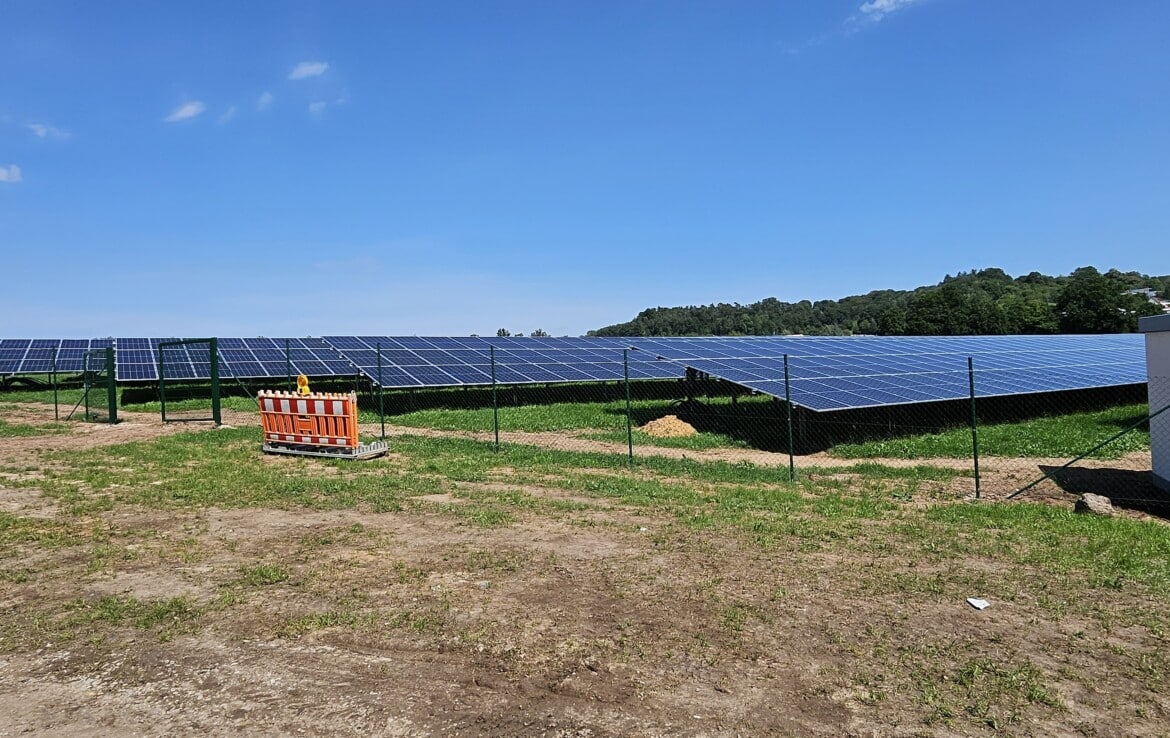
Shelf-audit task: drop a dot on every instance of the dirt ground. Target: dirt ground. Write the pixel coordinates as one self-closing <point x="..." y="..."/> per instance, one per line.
<point x="407" y="623"/>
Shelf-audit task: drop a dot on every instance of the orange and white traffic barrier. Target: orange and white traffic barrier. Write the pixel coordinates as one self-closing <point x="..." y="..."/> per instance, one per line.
<point x="327" y="419"/>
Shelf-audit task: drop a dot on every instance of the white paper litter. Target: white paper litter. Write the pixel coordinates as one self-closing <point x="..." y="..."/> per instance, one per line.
<point x="977" y="603"/>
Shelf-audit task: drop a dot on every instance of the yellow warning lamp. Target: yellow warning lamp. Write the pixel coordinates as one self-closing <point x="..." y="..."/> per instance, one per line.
<point x="302" y="384"/>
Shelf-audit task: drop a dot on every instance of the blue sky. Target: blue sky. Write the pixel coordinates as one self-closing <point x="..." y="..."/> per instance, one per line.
<point x="448" y="168"/>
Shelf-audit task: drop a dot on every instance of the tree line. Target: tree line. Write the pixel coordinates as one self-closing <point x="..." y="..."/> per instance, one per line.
<point x="983" y="302"/>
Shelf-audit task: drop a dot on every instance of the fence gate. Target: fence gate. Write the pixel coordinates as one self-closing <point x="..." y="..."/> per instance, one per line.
<point x="100" y="393"/>
<point x="188" y="379"/>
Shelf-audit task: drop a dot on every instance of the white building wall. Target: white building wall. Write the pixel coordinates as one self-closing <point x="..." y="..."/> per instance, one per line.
<point x="1157" y="330"/>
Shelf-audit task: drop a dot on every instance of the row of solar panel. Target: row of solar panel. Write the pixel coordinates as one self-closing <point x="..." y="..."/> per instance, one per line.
<point x="826" y="373"/>
<point x="44" y="355"/>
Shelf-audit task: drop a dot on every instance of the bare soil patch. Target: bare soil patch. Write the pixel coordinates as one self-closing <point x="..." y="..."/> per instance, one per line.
<point x="605" y="621"/>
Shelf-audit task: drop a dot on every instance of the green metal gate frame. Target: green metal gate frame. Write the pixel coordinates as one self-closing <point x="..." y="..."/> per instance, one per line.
<point x="213" y="356"/>
<point x="97" y="371"/>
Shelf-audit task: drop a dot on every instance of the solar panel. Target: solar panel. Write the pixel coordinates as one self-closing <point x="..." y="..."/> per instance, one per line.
<point x="12" y="351"/>
<point x="136" y="359"/>
<point x="837" y="373"/>
<point x="826" y="373"/>
<point x="245" y="358"/>
<point x="435" y="361"/>
<point x="44" y="355"/>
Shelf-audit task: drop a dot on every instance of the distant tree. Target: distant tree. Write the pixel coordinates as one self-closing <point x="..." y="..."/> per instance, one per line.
<point x="980" y="301"/>
<point x="892" y="321"/>
<point x="1026" y="314"/>
<point x="1093" y="303"/>
<point x="503" y="333"/>
<point x="538" y="333"/>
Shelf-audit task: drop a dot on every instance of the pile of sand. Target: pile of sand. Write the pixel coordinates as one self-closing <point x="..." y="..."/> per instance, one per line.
<point x="668" y="426"/>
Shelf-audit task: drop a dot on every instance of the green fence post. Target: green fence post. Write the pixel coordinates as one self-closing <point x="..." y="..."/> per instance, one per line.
<point x="629" y="420"/>
<point x="381" y="393"/>
<point x="495" y="402"/>
<point x="111" y="387"/>
<point x="56" y="412"/>
<point x="974" y="423"/>
<point x="213" y="351"/>
<point x="162" y="385"/>
<point x="788" y="406"/>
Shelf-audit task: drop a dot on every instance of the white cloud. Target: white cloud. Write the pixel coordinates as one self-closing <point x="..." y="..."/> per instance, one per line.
<point x="186" y="111"/>
<point x="316" y="108"/>
<point x="10" y="173"/>
<point x="227" y="115"/>
<point x="875" y="10"/>
<point x="44" y="130"/>
<point x="308" y="69"/>
<point x="264" y="100"/>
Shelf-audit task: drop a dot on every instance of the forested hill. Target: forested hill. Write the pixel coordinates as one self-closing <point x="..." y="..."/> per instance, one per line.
<point x="972" y="303"/>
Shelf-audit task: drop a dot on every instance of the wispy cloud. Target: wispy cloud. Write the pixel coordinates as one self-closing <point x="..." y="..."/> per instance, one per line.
<point x="186" y="111"/>
<point x="227" y="115"/>
<point x="868" y="14"/>
<point x="44" y="130"/>
<point x="874" y="10"/>
<point x="264" y="101"/>
<point x="10" y="173"/>
<point x="318" y="107"/>
<point x="308" y="69"/>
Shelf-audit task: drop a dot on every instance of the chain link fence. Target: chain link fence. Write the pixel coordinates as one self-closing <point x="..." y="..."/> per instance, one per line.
<point x="988" y="444"/>
<point x="993" y="445"/>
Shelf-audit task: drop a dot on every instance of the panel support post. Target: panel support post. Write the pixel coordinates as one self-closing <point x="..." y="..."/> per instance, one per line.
<point x="381" y="393"/>
<point x="56" y="411"/>
<point x="974" y="423"/>
<point x="111" y="387"/>
<point x="213" y="356"/>
<point x="162" y="384"/>
<point x="788" y="409"/>
<point x="288" y="367"/>
<point x="629" y="421"/>
<point x="495" y="398"/>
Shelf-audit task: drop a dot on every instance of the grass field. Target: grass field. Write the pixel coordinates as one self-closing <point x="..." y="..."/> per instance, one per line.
<point x="1065" y="435"/>
<point x="539" y="591"/>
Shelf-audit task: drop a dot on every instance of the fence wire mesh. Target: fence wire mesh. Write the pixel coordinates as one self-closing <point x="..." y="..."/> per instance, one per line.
<point x="99" y="397"/>
<point x="988" y="444"/>
<point x="188" y="380"/>
<point x="1122" y="465"/>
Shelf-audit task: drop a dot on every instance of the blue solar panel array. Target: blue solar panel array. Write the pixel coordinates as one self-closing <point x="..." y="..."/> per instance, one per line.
<point x="837" y="373"/>
<point x="36" y="355"/>
<point x="256" y="358"/>
<point x="826" y="373"/>
<point x="444" y="361"/>
<point x="242" y="358"/>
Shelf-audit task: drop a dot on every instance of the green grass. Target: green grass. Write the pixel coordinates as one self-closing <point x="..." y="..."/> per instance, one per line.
<point x="1051" y="437"/>
<point x="602" y="421"/>
<point x="850" y="526"/>
<point x="263" y="575"/>
<point x="243" y="404"/>
<point x="563" y="416"/>
<point x="68" y="397"/>
<point x="15" y="430"/>
<point x="49" y="533"/>
<point x="822" y="507"/>
<point x="165" y="617"/>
